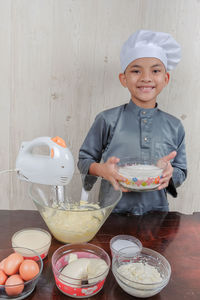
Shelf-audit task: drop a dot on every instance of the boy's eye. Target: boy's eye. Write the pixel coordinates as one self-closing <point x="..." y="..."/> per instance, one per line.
<point x="135" y="71"/>
<point x="156" y="71"/>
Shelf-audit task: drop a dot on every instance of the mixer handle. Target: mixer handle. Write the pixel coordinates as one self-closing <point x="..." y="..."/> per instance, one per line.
<point x="44" y="141"/>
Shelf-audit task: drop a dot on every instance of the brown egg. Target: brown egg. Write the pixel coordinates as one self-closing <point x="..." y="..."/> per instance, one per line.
<point x="2" y="264"/>
<point x="14" y="285"/>
<point x="28" y="269"/>
<point x="12" y="263"/>
<point x="3" y="277"/>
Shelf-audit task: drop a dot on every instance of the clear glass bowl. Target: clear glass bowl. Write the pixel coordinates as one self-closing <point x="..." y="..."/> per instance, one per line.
<point x="78" y="287"/>
<point x="141" y="175"/>
<point x="85" y="204"/>
<point x="141" y="282"/>
<point x="121" y="241"/>
<point x="28" y="285"/>
<point x="32" y="237"/>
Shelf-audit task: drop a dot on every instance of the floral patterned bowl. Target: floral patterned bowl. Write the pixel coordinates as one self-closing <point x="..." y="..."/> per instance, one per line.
<point x="141" y="175"/>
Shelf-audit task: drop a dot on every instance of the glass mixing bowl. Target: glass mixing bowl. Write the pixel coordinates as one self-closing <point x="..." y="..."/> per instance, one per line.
<point x="143" y="274"/>
<point x="85" y="204"/>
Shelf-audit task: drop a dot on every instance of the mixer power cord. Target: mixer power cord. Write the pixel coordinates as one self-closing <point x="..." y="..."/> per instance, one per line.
<point x="6" y="171"/>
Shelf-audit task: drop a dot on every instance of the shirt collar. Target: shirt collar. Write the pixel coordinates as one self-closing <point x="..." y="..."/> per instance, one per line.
<point x="140" y="110"/>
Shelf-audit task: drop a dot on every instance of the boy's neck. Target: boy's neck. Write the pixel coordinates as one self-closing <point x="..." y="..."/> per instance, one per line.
<point x="146" y="105"/>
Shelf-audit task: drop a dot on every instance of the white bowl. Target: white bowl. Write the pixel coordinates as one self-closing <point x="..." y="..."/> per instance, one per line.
<point x="141" y="175"/>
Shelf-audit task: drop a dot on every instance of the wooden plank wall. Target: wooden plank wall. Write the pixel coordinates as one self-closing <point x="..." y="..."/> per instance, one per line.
<point x="59" y="67"/>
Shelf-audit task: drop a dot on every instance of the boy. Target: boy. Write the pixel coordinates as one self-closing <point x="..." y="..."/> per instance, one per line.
<point x="139" y="128"/>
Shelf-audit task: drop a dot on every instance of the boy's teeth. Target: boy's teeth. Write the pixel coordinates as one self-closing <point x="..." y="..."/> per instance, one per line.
<point x="146" y="88"/>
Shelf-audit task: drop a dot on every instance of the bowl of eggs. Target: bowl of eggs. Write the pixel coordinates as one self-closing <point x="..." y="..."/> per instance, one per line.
<point x="80" y="270"/>
<point x="141" y="175"/>
<point x="18" y="274"/>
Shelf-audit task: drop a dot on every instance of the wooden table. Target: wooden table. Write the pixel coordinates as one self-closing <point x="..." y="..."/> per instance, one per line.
<point x="175" y="235"/>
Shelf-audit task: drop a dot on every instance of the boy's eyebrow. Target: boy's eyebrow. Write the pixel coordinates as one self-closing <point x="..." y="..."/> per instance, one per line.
<point x="157" y="65"/>
<point x="138" y="66"/>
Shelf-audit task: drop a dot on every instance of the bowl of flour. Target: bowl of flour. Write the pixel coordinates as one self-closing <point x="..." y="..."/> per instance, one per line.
<point x="141" y="175"/>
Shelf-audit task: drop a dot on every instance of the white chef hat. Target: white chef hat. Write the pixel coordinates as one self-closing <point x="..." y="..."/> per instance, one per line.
<point x="147" y="43"/>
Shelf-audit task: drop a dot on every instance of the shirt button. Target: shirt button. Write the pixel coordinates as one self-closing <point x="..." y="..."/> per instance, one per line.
<point x="145" y="121"/>
<point x="144" y="112"/>
<point x="145" y="139"/>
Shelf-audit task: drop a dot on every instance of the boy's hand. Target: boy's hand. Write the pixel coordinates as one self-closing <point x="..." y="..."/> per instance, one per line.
<point x="167" y="174"/>
<point x="108" y="171"/>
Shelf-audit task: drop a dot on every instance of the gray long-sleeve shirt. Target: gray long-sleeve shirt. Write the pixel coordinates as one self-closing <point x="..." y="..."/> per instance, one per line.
<point x="132" y="131"/>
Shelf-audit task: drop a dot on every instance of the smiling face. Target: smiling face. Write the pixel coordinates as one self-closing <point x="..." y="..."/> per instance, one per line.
<point x="145" y="78"/>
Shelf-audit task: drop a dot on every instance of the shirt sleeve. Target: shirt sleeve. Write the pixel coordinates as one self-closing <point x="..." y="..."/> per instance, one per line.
<point x="179" y="164"/>
<point x="94" y="144"/>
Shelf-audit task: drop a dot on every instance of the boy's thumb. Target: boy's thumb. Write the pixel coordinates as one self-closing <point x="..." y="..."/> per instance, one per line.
<point x="170" y="156"/>
<point x="114" y="160"/>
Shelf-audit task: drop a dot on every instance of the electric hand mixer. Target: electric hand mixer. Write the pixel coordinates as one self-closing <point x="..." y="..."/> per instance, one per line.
<point x="76" y="216"/>
<point x="55" y="169"/>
